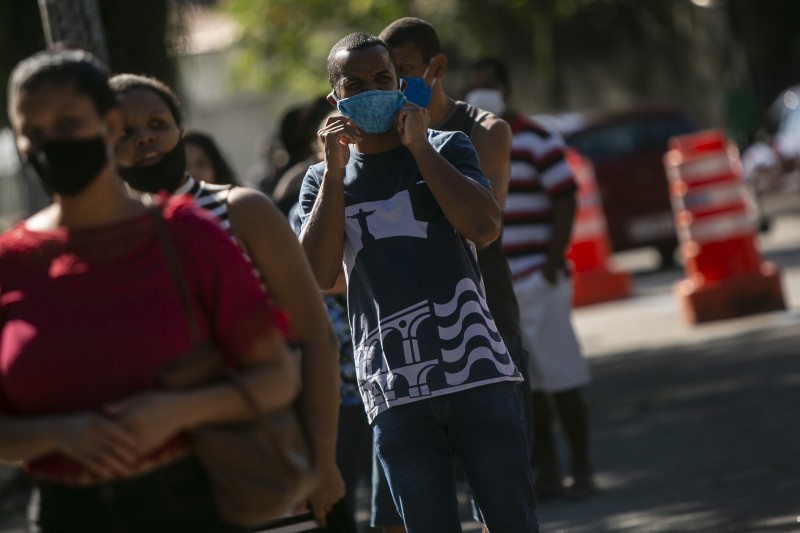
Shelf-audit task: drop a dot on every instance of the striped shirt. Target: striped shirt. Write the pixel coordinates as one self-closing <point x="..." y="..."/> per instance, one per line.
<point x="539" y="173"/>
<point x="213" y="198"/>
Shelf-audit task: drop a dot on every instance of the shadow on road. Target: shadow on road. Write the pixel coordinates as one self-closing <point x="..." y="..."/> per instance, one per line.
<point x="700" y="438"/>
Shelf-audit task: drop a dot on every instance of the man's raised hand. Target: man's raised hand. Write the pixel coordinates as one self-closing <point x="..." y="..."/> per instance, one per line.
<point x="334" y="139"/>
<point x="412" y="124"/>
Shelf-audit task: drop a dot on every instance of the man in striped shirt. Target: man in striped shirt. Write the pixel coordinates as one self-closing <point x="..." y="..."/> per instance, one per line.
<point x="538" y="217"/>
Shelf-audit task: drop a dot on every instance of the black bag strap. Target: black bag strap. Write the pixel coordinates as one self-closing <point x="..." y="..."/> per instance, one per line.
<point x="179" y="282"/>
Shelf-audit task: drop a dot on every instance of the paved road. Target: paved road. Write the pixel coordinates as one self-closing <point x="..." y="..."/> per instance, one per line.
<point x="693" y="428"/>
<point x="698" y="438"/>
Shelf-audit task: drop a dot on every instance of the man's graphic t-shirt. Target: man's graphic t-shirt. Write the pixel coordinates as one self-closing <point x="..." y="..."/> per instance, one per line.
<point x="418" y="314"/>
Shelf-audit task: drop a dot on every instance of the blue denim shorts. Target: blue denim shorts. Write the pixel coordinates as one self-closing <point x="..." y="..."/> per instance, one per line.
<point x="418" y="444"/>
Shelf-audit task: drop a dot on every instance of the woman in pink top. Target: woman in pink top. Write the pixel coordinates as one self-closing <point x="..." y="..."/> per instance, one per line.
<point x="88" y="317"/>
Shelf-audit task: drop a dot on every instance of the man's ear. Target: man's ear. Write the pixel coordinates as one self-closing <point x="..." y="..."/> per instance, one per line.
<point x="438" y="65"/>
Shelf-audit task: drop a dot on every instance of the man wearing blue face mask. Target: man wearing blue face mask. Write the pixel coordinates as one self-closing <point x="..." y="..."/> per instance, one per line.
<point x="402" y="209"/>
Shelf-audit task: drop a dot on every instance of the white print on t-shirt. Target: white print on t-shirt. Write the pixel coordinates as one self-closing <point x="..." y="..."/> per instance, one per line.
<point x="466" y="301"/>
<point x="395" y="219"/>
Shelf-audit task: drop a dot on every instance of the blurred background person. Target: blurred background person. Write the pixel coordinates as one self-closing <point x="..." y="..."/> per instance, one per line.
<point x="204" y="160"/>
<point x="538" y="223"/>
<point x="280" y="152"/>
<point x="287" y="188"/>
<point x="151" y="157"/>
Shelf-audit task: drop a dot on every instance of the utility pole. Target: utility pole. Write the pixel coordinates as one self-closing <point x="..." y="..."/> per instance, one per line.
<point x="76" y="22"/>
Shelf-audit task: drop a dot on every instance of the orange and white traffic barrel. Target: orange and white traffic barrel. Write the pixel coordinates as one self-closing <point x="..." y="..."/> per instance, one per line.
<point x="592" y="279"/>
<point x="725" y="276"/>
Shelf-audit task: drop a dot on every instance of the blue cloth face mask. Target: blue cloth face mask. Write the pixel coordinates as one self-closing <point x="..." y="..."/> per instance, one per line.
<point x="371" y="111"/>
<point x="417" y="92"/>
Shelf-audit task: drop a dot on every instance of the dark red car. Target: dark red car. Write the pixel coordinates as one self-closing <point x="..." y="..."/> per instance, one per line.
<point x="627" y="148"/>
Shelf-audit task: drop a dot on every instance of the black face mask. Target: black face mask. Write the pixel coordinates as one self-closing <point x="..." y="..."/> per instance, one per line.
<point x="67" y="167"/>
<point x="167" y="173"/>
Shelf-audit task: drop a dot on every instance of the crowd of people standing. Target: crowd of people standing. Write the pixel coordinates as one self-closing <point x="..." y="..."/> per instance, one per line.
<point x="400" y="279"/>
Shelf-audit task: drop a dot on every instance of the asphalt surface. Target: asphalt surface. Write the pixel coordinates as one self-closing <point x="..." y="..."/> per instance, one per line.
<point x="700" y="438"/>
<point x="694" y="428"/>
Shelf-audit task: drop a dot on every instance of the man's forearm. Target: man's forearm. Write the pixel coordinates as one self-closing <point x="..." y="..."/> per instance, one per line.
<point x="564" y="207"/>
<point x="322" y="238"/>
<point x="470" y="207"/>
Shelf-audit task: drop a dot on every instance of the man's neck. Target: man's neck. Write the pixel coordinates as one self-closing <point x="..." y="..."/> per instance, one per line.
<point x="375" y="143"/>
<point x="440" y="105"/>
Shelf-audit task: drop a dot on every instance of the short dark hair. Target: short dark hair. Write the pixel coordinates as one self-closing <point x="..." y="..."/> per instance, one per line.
<point x="348" y="43"/>
<point x="63" y="66"/>
<point x="125" y="83"/>
<point x="497" y="66"/>
<point x="222" y="171"/>
<point x="415" y="31"/>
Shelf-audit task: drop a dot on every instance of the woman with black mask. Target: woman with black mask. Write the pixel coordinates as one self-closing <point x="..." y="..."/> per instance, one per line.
<point x="86" y="324"/>
<point x="150" y="156"/>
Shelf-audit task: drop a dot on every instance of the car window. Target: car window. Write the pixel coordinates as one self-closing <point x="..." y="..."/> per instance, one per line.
<point x="659" y="131"/>
<point x="628" y="137"/>
<point x="605" y="142"/>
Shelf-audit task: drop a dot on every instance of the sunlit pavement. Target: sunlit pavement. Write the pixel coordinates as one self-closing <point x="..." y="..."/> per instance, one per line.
<point x="694" y="428"/>
<point x="651" y="317"/>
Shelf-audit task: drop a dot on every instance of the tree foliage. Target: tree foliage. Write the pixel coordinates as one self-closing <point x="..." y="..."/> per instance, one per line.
<point x="285" y="42"/>
<point x="583" y="50"/>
